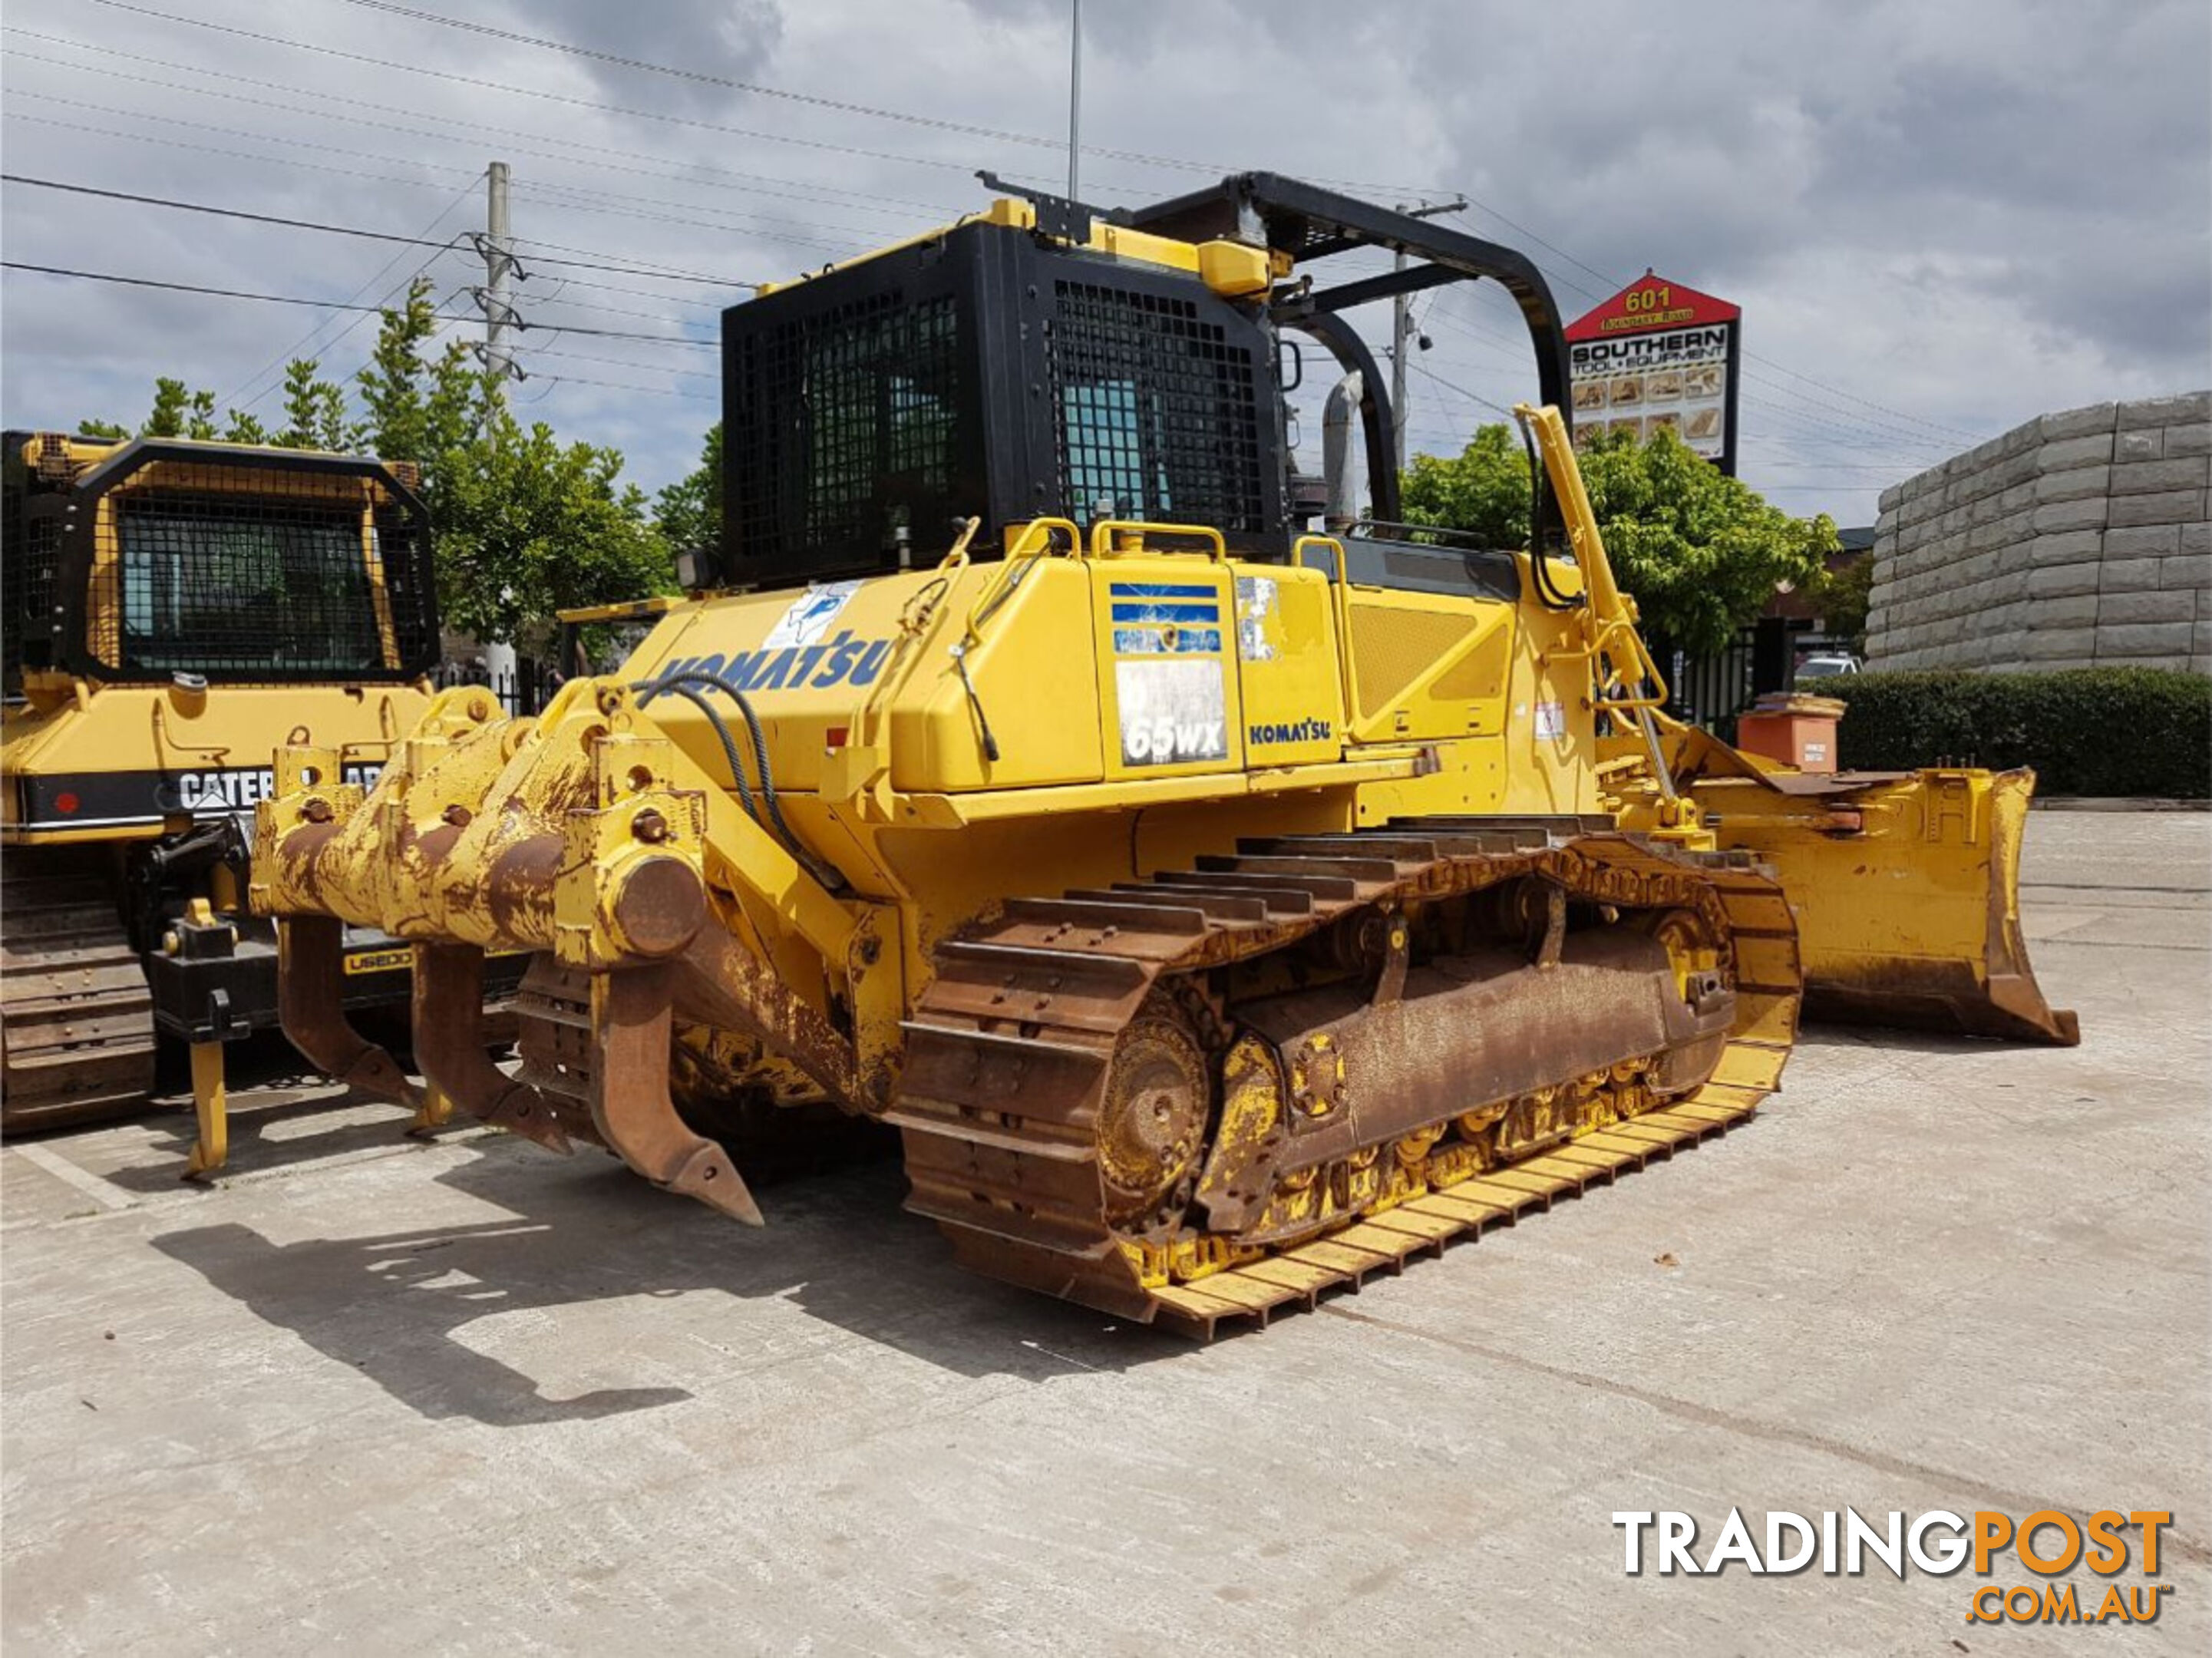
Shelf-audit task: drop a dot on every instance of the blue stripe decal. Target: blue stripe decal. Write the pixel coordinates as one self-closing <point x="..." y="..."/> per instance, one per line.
<point x="1163" y="590"/>
<point x="1147" y="641"/>
<point x="1167" y="613"/>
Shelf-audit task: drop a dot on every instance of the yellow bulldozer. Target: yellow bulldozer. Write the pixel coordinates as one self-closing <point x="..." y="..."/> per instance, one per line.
<point x="175" y="611"/>
<point x="1221" y="910"/>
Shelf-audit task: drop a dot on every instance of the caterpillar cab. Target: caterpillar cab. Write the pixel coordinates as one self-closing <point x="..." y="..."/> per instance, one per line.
<point x="175" y="612"/>
<point x="1223" y="907"/>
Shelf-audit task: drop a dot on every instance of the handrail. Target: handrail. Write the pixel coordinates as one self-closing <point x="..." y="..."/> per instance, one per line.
<point x="1341" y="605"/>
<point x="1103" y="531"/>
<point x="1011" y="571"/>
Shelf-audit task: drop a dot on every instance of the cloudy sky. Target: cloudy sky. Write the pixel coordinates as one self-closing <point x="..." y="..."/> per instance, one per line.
<point x="1939" y="219"/>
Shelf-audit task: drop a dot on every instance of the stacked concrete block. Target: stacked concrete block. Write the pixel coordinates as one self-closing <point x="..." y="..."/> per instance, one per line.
<point x="2077" y="540"/>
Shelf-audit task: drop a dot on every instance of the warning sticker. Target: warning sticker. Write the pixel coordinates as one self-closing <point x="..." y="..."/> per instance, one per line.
<point x="1172" y="711"/>
<point x="809" y="614"/>
<point x="1256" y="609"/>
<point x="1551" y="722"/>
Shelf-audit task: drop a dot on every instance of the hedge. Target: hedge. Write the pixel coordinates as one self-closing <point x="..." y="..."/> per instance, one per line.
<point x="2142" y="731"/>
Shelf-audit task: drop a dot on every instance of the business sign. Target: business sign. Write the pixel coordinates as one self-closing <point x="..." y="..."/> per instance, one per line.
<point x="1659" y="356"/>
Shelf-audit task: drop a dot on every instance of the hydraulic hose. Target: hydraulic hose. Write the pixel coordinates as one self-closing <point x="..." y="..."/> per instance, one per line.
<point x="1547" y="595"/>
<point x="684" y="684"/>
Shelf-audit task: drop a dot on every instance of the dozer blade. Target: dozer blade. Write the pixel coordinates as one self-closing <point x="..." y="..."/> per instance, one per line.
<point x="1906" y="887"/>
<point x="636" y="1118"/>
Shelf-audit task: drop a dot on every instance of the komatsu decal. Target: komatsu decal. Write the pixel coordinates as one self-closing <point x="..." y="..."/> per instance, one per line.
<point x="843" y="660"/>
<point x="1267" y="733"/>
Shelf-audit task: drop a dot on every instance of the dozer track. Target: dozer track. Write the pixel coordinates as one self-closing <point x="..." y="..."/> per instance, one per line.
<point x="1042" y="1084"/>
<point x="76" y="1018"/>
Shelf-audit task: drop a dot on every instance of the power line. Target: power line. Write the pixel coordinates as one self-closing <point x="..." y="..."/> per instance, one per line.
<point x="194" y="288"/>
<point x="1473" y="396"/>
<point x="622" y="362"/>
<point x="502" y="133"/>
<point x="214" y="150"/>
<point x="1933" y="426"/>
<point x="997" y="134"/>
<point x="558" y="193"/>
<point x="633" y="269"/>
<point x="700" y="78"/>
<point x="1855" y="431"/>
<point x="223" y="212"/>
<point x="332" y="304"/>
<point x="961" y="166"/>
<point x="940" y="124"/>
<point x="294" y="109"/>
<point x="1613" y="285"/>
<point x="621" y="386"/>
<point x="300" y="344"/>
<point x="1141" y="157"/>
<point x="757" y="181"/>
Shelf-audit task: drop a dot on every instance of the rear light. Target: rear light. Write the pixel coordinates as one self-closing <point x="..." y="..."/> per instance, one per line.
<point x="66" y="801"/>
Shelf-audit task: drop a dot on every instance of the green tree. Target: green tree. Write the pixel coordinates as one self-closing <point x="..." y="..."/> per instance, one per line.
<point x="689" y="512"/>
<point x="1484" y="491"/>
<point x="1842" y="595"/>
<point x="1701" y="552"/>
<point x="526" y="525"/>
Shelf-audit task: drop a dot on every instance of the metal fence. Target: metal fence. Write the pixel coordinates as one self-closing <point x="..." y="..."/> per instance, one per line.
<point x="527" y="690"/>
<point x="1712" y="691"/>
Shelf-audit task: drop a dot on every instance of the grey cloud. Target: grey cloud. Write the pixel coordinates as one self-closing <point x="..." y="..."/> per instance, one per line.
<point x="1969" y="212"/>
<point x="733" y="40"/>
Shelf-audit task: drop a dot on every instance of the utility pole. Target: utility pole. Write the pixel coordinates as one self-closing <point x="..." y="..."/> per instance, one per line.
<point x="499" y="267"/>
<point x="1401" y="321"/>
<point x="501" y="665"/>
<point x="1074" y="92"/>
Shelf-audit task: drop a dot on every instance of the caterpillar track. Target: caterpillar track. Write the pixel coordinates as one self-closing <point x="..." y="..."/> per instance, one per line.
<point x="1078" y="1100"/>
<point x="76" y="1019"/>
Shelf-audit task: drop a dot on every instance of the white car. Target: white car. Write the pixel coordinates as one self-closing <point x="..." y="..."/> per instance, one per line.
<point x="1825" y="667"/>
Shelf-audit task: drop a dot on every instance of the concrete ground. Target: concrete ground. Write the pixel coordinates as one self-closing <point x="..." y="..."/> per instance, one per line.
<point x="467" y="1398"/>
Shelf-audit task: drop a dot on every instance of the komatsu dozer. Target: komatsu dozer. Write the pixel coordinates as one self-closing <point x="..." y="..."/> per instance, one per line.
<point x="1220" y="911"/>
<point x="173" y="611"/>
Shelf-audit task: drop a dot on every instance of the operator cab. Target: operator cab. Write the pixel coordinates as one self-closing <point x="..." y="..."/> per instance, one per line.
<point x="1048" y="360"/>
<point x="164" y="560"/>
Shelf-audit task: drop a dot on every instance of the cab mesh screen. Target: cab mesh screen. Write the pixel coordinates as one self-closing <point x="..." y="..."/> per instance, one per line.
<point x="253" y="574"/>
<point x="30" y="556"/>
<point x="1157" y="414"/>
<point x="842" y="426"/>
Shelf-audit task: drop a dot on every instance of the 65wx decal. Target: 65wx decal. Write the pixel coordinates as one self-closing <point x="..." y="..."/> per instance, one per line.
<point x="842" y="660"/>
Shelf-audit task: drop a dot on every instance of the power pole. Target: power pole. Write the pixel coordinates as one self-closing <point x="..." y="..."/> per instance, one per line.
<point x="499" y="269"/>
<point x="1074" y="92"/>
<point x="501" y="664"/>
<point x="1402" y="321"/>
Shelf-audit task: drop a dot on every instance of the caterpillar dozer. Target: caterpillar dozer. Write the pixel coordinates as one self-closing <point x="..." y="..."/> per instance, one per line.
<point x="1222" y="910"/>
<point x="175" y="611"/>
